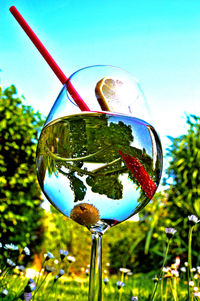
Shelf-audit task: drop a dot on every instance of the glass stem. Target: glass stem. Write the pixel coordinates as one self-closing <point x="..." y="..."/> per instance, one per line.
<point x="95" y="282"/>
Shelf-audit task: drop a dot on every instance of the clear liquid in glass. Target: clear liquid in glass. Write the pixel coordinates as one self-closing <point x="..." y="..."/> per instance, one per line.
<point x="99" y="169"/>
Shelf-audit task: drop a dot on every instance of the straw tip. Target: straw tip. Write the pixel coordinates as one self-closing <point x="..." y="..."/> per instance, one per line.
<point x="12" y="8"/>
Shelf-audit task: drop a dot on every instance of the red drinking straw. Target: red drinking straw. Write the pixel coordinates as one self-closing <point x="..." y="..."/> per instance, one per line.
<point x="46" y="55"/>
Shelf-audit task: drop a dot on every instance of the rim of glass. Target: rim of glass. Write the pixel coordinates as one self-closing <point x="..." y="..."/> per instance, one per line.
<point x="100" y="66"/>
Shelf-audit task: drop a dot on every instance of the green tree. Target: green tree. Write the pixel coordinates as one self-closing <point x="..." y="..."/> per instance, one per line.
<point x="180" y="199"/>
<point x="20" y="197"/>
<point x="183" y="173"/>
<point x="183" y="183"/>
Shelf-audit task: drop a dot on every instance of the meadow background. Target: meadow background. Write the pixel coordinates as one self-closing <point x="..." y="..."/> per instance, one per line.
<point x="158" y="42"/>
<point x="137" y="248"/>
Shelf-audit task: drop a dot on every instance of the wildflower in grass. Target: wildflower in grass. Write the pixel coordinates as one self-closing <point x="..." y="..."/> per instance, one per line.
<point x="196" y="276"/>
<point x="63" y="254"/>
<point x="60" y="274"/>
<point x="120" y="284"/>
<point x="26" y="251"/>
<point x="29" y="288"/>
<point x="168" y="273"/>
<point x="177" y="262"/>
<point x="155" y="279"/>
<point x="55" y="278"/>
<point x="129" y="274"/>
<point x="31" y="285"/>
<point x="11" y="247"/>
<point x="10" y="262"/>
<point x="134" y="298"/>
<point x="87" y="271"/>
<point x="193" y="220"/>
<point x="48" y="269"/>
<point x="166" y="269"/>
<point x="4" y="293"/>
<point x="26" y="296"/>
<point x="48" y="256"/>
<point x="175" y="273"/>
<point x="124" y="270"/>
<point x="20" y="268"/>
<point x="191" y="283"/>
<point x="170" y="232"/>
<point x="197" y="294"/>
<point x="173" y="266"/>
<point x="105" y="281"/>
<point x="183" y="269"/>
<point x="71" y="259"/>
<point x="171" y="271"/>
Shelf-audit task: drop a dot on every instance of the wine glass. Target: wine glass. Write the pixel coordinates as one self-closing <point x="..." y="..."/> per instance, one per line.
<point x="103" y="166"/>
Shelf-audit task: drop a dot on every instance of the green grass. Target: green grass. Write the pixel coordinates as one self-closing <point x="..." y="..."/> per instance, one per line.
<point x="77" y="289"/>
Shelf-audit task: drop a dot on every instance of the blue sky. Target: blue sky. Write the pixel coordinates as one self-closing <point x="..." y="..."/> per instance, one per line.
<point x="157" y="41"/>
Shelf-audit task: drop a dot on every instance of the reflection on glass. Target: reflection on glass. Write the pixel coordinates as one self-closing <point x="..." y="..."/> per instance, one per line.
<point x="112" y="162"/>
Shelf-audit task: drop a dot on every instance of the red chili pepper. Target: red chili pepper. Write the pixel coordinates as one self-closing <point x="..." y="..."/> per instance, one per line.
<point x="138" y="170"/>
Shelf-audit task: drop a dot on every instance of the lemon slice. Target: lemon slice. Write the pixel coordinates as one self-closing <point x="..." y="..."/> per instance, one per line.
<point x="109" y="93"/>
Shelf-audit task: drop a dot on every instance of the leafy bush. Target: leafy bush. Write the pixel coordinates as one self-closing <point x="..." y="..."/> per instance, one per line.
<point x="20" y="197"/>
